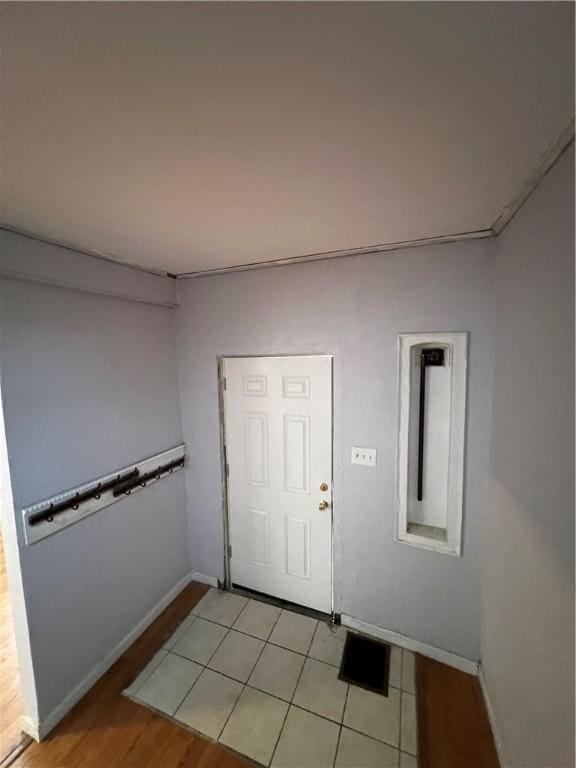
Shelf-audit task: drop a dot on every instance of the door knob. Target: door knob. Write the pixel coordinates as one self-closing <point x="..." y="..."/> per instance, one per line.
<point x="323" y="505"/>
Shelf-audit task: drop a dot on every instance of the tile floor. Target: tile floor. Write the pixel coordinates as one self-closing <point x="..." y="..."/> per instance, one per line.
<point x="264" y="682"/>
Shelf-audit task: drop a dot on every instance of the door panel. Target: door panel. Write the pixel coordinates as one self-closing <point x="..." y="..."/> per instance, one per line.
<point x="278" y="430"/>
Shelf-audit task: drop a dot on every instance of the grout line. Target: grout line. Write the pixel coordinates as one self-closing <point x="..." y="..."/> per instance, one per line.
<point x="163" y="651"/>
<point x="307" y="655"/>
<point x="186" y="694"/>
<point x="194" y="731"/>
<point x="205" y="666"/>
<point x="264" y="639"/>
<point x="342" y="722"/>
<point x="245" y="685"/>
<point x="290" y="703"/>
<point x="277" y="645"/>
<point x="221" y="731"/>
<point x="135" y="698"/>
<point x="401" y="702"/>
<point x="288" y="707"/>
<point x="265" y="643"/>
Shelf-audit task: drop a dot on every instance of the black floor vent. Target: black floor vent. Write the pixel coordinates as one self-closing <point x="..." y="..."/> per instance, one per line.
<point x="366" y="663"/>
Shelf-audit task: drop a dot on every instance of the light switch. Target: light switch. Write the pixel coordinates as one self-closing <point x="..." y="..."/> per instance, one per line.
<point x="365" y="456"/>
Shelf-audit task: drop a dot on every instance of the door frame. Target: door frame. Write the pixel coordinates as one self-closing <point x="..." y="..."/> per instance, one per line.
<point x="224" y="475"/>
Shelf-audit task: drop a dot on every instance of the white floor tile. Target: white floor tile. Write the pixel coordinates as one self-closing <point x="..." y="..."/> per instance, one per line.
<point x="223" y="608"/>
<point x="277" y="672"/>
<point x="201" y="604"/>
<point x="374" y="715"/>
<point x="294" y="631"/>
<point x="328" y="643"/>
<point x="408" y="680"/>
<point x="200" y="641"/>
<point x="358" y="751"/>
<point x="257" y="619"/>
<point x="306" y="741"/>
<point x="209" y="703"/>
<point x="169" y="683"/>
<point x="408" y="733"/>
<point x="320" y="691"/>
<point x="254" y="725"/>
<point x="237" y="655"/>
<point x="395" y="678"/>
<point x="179" y="632"/>
<point x="135" y="686"/>
<point x="252" y="719"/>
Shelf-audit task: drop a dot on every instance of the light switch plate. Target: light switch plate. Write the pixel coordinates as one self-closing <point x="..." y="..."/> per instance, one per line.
<point x="365" y="456"/>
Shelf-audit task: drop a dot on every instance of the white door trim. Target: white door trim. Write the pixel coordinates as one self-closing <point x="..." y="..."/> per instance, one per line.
<point x="223" y="473"/>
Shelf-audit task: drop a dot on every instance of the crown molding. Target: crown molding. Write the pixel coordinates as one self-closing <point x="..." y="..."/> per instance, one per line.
<point x="71" y="246"/>
<point x="550" y="156"/>
<point x="509" y="210"/>
<point x="380" y="248"/>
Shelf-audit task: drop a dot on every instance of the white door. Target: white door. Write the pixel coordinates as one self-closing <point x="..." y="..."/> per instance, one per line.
<point x="278" y="432"/>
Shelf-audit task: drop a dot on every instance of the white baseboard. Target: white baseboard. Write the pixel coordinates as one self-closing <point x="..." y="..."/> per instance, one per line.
<point x="203" y="579"/>
<point x="38" y="730"/>
<point x="395" y="638"/>
<point x="492" y="718"/>
<point x="31" y="727"/>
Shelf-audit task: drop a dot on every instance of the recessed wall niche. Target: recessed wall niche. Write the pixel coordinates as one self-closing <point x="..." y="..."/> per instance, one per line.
<point x="432" y="391"/>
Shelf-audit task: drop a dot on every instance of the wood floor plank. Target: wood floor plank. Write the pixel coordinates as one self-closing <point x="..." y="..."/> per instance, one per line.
<point x="107" y="730"/>
<point x="453" y="726"/>
<point x="10" y="707"/>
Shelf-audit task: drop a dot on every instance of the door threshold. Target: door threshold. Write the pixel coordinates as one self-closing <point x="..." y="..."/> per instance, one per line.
<point x="330" y="618"/>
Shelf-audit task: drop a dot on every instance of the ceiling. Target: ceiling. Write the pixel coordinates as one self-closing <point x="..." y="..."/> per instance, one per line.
<point x="192" y="136"/>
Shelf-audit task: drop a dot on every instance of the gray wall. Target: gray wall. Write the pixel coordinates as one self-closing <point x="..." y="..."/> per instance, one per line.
<point x="25" y="257"/>
<point x="89" y="384"/>
<point x="528" y="563"/>
<point x="353" y="308"/>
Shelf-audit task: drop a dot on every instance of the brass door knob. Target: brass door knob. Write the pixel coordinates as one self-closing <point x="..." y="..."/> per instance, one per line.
<point x="323" y="505"/>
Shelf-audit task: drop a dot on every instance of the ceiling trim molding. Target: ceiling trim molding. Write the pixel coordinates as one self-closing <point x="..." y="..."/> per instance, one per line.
<point x="12" y="274"/>
<point x="383" y="247"/>
<point x="71" y="246"/>
<point x="548" y="159"/>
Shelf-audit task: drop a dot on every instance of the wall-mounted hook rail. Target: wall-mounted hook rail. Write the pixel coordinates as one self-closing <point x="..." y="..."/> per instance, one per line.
<point x="143" y="480"/>
<point x="52" y="515"/>
<point x="74" y="503"/>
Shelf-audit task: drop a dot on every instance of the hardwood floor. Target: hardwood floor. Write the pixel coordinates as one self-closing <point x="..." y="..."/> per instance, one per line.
<point x="10" y="709"/>
<point x="453" y="726"/>
<point x="107" y="730"/>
